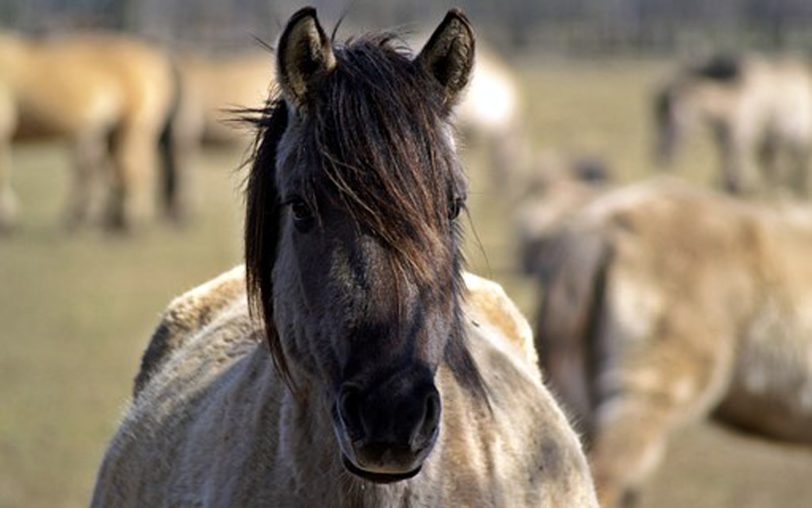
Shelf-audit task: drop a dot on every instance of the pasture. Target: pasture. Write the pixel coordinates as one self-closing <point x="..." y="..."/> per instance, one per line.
<point x="76" y="311"/>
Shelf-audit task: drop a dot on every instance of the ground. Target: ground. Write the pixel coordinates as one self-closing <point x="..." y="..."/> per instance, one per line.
<point x="76" y="311"/>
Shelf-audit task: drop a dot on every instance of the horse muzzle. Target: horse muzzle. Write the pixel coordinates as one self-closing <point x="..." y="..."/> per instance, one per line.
<point x="386" y="432"/>
<point x="378" y="476"/>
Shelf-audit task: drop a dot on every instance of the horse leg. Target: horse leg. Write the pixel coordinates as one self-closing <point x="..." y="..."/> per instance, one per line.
<point x="739" y="176"/>
<point x="134" y="162"/>
<point x="178" y="154"/>
<point x="769" y="161"/>
<point x="8" y="201"/>
<point x="89" y="152"/>
<point x="631" y="426"/>
<point x="800" y="170"/>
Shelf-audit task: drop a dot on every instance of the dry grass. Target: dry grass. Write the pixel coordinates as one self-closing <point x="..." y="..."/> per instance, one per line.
<point x="75" y="312"/>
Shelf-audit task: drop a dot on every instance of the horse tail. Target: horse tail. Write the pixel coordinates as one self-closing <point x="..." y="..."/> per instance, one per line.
<point x="568" y="324"/>
<point x="171" y="181"/>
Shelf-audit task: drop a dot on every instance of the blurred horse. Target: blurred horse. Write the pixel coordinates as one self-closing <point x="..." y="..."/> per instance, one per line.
<point x="382" y="388"/>
<point x="665" y="304"/>
<point x="109" y="96"/>
<point x="492" y="103"/>
<point x="214" y="88"/>
<point x="760" y="112"/>
<point x="491" y="116"/>
<point x="554" y="191"/>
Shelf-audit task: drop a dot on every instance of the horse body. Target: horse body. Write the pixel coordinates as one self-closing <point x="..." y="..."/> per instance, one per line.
<point x="771" y="387"/>
<point x="215" y="84"/>
<point x="212" y="89"/>
<point x="492" y="103"/>
<point x="215" y="393"/>
<point x="760" y="111"/>
<point x="88" y="89"/>
<point x="376" y="383"/>
<point x="665" y="304"/>
<point x="491" y="116"/>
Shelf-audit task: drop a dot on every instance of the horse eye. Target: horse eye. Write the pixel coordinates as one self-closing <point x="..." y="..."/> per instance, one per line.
<point x="455" y="207"/>
<point x="302" y="215"/>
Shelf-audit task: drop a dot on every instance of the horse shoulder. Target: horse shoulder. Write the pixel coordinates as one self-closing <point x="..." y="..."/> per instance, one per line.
<point x="186" y="314"/>
<point x="523" y="452"/>
<point x="213" y="379"/>
<point x="491" y="308"/>
<point x="525" y="431"/>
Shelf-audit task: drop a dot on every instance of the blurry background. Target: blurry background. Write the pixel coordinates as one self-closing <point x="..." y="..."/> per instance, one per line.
<point x="552" y="26"/>
<point x="77" y="309"/>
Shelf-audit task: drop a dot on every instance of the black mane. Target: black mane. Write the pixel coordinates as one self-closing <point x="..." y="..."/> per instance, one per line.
<point x="722" y="68"/>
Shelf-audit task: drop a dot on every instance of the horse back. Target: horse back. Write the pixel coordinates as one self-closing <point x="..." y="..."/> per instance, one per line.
<point x="90" y="83"/>
<point x="489" y="306"/>
<point x="186" y="315"/>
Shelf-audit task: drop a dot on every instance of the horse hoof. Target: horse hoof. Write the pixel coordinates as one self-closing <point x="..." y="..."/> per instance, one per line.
<point x="179" y="219"/>
<point x="116" y="225"/>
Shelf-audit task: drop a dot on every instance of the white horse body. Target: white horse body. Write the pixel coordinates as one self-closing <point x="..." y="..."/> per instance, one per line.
<point x="217" y="395"/>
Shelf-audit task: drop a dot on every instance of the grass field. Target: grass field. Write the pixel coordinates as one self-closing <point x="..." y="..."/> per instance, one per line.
<point x="76" y="311"/>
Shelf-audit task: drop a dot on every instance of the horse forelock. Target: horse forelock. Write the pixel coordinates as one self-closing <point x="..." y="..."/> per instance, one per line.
<point x="379" y="140"/>
<point x="381" y="143"/>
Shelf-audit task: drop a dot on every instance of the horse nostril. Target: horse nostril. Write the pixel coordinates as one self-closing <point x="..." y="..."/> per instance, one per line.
<point x="349" y="407"/>
<point x="431" y="419"/>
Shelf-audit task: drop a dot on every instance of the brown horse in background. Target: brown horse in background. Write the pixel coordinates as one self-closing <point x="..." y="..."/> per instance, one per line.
<point x="214" y="88"/>
<point x="759" y="110"/>
<point x="664" y="304"/>
<point x="492" y="116"/>
<point x="108" y="96"/>
<point x="393" y="379"/>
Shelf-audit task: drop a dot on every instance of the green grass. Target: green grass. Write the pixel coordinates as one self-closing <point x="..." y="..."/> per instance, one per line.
<point x="75" y="314"/>
<point x="76" y="311"/>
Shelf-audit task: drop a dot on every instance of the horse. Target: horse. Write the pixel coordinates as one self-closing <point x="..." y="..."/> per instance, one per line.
<point x="373" y="371"/>
<point x="665" y="304"/>
<point x="493" y="101"/>
<point x="491" y="116"/>
<point x="553" y="191"/>
<point x="759" y="111"/>
<point x="213" y="89"/>
<point x="215" y="84"/>
<point x="109" y="96"/>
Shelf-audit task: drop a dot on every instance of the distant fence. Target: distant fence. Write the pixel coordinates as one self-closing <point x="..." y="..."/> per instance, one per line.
<point x="569" y="26"/>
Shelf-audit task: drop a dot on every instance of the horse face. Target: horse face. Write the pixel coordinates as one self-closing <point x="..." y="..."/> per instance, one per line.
<point x="366" y="277"/>
<point x="356" y="319"/>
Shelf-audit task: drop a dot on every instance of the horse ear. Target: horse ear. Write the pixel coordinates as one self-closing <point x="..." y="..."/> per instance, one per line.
<point x="304" y="56"/>
<point x="449" y="54"/>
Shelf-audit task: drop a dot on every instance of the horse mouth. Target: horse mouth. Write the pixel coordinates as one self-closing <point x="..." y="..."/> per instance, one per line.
<point x="378" y="477"/>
